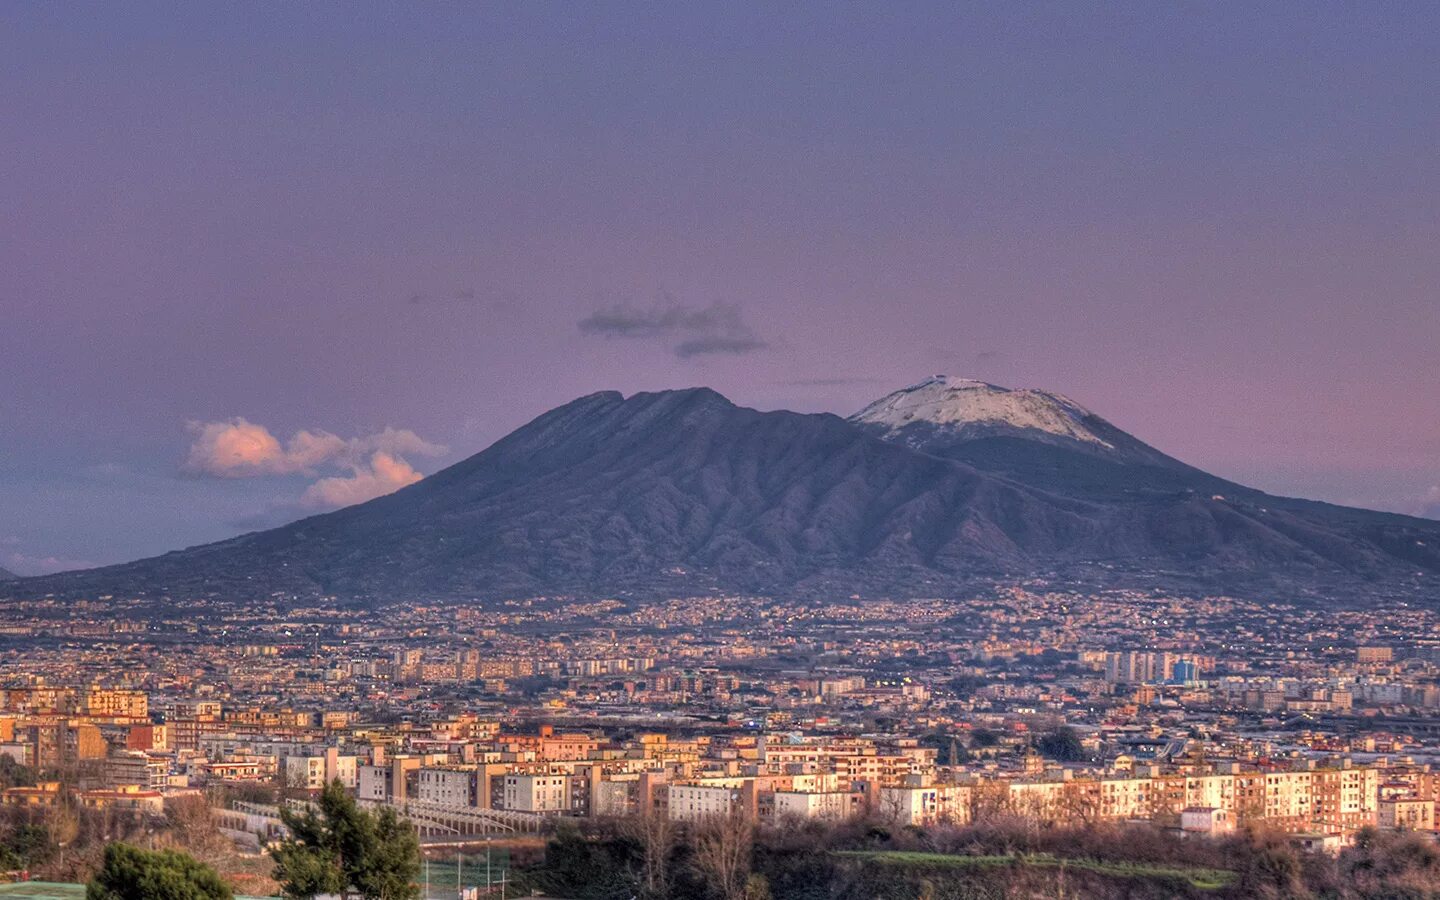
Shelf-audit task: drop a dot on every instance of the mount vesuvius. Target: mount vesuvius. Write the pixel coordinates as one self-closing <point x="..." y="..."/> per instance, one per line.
<point x="937" y="489"/>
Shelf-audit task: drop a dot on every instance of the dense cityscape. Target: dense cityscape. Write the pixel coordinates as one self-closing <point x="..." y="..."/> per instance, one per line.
<point x="1193" y="715"/>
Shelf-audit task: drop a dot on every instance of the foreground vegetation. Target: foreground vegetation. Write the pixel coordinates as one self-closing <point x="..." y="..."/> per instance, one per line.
<point x="130" y="873"/>
<point x="373" y="854"/>
<point x="1199" y="878"/>
<point x="731" y="860"/>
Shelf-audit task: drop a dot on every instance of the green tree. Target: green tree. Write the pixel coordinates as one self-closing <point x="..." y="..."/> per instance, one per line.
<point x="32" y="843"/>
<point x="1063" y="745"/>
<point x="12" y="774"/>
<point x="576" y="866"/>
<point x="984" y="737"/>
<point x="130" y="873"/>
<point x="335" y="847"/>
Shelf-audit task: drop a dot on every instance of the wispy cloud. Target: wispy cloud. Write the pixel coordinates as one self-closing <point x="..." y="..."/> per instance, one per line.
<point x="361" y="468"/>
<point x="837" y="381"/>
<point x="39" y="564"/>
<point x="463" y="295"/>
<point x="465" y="298"/>
<point x="687" y="331"/>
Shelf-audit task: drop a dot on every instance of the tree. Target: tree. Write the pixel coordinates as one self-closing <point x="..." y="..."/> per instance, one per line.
<point x="984" y="737"/>
<point x="192" y="824"/>
<point x="1063" y="745"/>
<point x="130" y="873"/>
<point x="388" y="871"/>
<point x="26" y="847"/>
<point x="12" y="774"/>
<point x="723" y="848"/>
<point x="655" y="834"/>
<point x="1392" y="864"/>
<point x="1270" y="867"/>
<point x="335" y="847"/>
<point x="576" y="866"/>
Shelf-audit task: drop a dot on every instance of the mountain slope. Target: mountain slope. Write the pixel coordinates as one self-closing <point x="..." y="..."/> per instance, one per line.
<point x="682" y="492"/>
<point x="678" y="491"/>
<point x="4" y="575"/>
<point x="1159" y="513"/>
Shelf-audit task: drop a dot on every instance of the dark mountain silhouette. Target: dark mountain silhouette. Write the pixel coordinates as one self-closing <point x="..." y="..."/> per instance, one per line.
<point x="682" y="492"/>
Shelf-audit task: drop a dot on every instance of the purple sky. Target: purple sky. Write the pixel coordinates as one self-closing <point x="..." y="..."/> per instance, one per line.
<point x="1214" y="224"/>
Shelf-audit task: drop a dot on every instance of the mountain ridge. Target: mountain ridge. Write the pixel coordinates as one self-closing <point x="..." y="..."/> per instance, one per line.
<point x="680" y="493"/>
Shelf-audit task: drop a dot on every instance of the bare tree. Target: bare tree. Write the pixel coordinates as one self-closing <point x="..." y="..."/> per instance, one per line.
<point x="723" y="846"/>
<point x="655" y="833"/>
<point x="890" y="808"/>
<point x="193" y="828"/>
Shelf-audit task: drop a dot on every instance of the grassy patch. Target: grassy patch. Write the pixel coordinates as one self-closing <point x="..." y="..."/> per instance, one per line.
<point x="1201" y="879"/>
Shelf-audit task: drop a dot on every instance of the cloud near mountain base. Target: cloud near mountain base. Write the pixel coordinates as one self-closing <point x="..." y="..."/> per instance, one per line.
<point x="382" y="474"/>
<point x="363" y="467"/>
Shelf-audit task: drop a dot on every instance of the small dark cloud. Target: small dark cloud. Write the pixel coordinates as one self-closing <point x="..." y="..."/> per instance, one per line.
<point x="462" y="296"/>
<point x="688" y="331"/>
<point x="273" y="517"/>
<point x="718" y="344"/>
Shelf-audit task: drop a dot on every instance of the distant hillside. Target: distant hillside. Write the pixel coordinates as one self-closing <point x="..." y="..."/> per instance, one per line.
<point x="682" y="492"/>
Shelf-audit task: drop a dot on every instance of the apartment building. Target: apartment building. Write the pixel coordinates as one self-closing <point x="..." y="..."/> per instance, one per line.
<point x="448" y="786"/>
<point x="1407" y="814"/>
<point x="537" y="793"/>
<point x="931" y="804"/>
<point x="135" y="768"/>
<point x="696" y="801"/>
<point x="825" y="805"/>
<point x="109" y="702"/>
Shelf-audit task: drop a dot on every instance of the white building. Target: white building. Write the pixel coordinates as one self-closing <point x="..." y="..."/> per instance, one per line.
<point x="693" y="802"/>
<point x="828" y="805"/>
<point x="926" y="805"/>
<point x="1207" y="820"/>
<point x="314" y="772"/>
<point x="548" y="793"/>
<point x="451" y="787"/>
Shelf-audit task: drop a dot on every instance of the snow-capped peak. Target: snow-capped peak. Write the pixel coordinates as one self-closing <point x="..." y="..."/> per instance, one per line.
<point x="964" y="404"/>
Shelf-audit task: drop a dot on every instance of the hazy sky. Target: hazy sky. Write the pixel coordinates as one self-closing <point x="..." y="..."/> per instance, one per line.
<point x="1217" y="224"/>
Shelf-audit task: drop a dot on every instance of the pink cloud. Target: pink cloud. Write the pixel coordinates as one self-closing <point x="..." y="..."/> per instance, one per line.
<point x="370" y="466"/>
<point x="381" y="475"/>
<point x="238" y="448"/>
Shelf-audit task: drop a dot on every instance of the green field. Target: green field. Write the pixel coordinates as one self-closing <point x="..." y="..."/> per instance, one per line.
<point x="1201" y="879"/>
